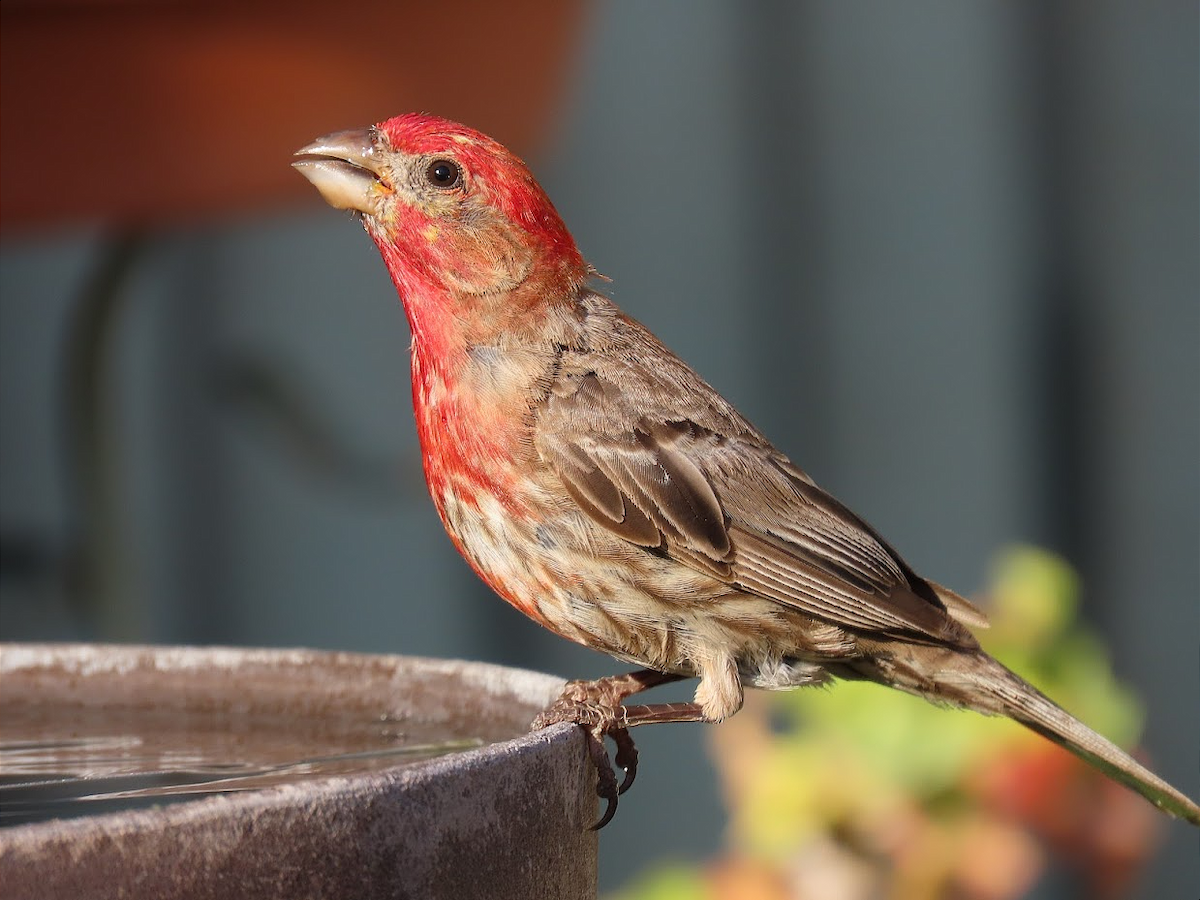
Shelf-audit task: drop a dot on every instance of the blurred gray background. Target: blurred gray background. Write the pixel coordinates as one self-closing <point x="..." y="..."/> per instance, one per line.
<point x="944" y="254"/>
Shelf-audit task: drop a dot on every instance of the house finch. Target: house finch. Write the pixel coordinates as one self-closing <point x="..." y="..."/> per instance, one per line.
<point x="599" y="485"/>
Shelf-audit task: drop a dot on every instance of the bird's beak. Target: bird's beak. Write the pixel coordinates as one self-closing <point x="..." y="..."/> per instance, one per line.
<point x="344" y="167"/>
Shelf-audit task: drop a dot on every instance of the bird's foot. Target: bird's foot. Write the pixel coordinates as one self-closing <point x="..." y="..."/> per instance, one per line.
<point x="596" y="707"/>
<point x="597" y="721"/>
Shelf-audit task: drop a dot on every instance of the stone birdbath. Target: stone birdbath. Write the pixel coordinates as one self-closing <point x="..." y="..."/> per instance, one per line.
<point x="173" y="772"/>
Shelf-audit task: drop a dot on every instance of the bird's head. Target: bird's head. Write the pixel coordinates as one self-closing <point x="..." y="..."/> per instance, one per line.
<point x="454" y="213"/>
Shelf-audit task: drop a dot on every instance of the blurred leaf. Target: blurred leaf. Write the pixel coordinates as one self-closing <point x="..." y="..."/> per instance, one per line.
<point x="667" y="882"/>
<point x="1035" y="595"/>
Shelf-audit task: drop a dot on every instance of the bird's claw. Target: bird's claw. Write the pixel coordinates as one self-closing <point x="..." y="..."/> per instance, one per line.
<point x="626" y="758"/>
<point x="598" y="719"/>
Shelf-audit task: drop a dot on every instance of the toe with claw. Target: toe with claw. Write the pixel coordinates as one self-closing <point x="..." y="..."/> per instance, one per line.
<point x="597" y="721"/>
<point x="596" y="707"/>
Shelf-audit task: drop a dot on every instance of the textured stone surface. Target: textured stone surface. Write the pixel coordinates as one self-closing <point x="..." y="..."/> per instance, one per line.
<point x="507" y="820"/>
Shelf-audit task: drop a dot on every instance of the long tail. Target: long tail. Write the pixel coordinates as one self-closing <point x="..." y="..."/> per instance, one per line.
<point x="974" y="680"/>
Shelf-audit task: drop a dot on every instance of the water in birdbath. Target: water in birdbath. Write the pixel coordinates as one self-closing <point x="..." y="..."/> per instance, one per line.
<point x="60" y="761"/>
<point x="88" y="729"/>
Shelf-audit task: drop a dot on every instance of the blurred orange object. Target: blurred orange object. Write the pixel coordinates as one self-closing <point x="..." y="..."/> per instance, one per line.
<point x="142" y="111"/>
<point x="1094" y="824"/>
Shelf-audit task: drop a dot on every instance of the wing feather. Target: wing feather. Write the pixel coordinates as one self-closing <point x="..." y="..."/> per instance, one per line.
<point x="702" y="486"/>
<point x="727" y="508"/>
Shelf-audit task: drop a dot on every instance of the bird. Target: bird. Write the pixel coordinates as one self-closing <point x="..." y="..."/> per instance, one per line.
<point x="599" y="485"/>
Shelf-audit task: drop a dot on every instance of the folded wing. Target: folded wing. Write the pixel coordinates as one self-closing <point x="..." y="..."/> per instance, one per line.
<point x="737" y="510"/>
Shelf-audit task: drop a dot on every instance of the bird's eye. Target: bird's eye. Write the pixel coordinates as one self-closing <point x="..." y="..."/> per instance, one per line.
<point x="442" y="173"/>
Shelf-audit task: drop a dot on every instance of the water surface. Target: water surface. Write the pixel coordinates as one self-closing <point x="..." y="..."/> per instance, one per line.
<point x="72" y="760"/>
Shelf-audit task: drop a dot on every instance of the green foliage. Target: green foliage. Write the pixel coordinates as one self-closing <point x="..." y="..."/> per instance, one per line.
<point x="669" y="881"/>
<point x="856" y="748"/>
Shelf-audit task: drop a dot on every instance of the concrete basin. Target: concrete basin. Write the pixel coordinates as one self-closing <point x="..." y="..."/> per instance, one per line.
<point x="174" y="772"/>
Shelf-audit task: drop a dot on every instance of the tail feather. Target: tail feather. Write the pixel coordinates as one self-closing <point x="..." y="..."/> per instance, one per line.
<point x="974" y="680"/>
<point x="1037" y="712"/>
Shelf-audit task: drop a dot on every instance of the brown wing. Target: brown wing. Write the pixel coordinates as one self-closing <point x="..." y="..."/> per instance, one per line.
<point x="736" y="509"/>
